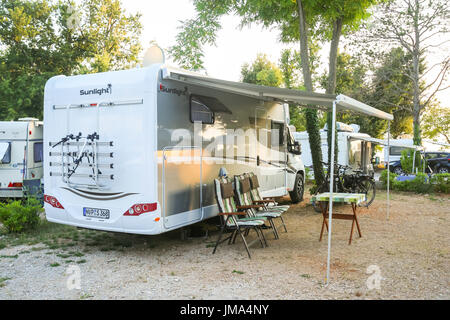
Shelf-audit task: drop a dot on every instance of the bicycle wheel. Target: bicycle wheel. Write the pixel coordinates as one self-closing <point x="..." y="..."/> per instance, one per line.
<point x="367" y="186"/>
<point x="321" y="189"/>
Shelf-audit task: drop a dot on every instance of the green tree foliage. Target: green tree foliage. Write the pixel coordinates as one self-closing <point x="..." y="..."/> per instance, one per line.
<point x="378" y="85"/>
<point x="436" y="123"/>
<point x="262" y="72"/>
<point x="43" y="38"/>
<point x="419" y="28"/>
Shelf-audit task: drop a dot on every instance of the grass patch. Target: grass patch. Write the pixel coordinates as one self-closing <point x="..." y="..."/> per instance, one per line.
<point x="86" y="296"/>
<point x="210" y="245"/>
<point x="81" y="261"/>
<point x="3" y="280"/>
<point x="238" y="272"/>
<point x="10" y="257"/>
<point x="54" y="264"/>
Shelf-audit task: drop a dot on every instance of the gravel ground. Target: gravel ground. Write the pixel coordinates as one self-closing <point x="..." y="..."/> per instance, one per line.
<point x="410" y="251"/>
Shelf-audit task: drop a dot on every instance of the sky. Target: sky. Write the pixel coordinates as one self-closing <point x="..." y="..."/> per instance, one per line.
<point x="234" y="46"/>
<point x="160" y="20"/>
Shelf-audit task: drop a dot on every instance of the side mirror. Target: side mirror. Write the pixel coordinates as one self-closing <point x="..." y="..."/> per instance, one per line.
<point x="295" y="148"/>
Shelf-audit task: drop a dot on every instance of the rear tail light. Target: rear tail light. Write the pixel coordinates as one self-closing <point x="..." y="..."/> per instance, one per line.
<point x="15" y="185"/>
<point x="53" y="202"/>
<point x="138" y="209"/>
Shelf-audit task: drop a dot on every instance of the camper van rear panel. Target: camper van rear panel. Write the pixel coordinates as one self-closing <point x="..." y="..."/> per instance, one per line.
<point x="20" y="155"/>
<point x="99" y="147"/>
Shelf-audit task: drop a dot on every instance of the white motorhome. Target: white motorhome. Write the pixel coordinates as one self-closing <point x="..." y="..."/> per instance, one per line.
<point x="396" y="148"/>
<point x="353" y="148"/>
<point x="137" y="151"/>
<point x="21" y="155"/>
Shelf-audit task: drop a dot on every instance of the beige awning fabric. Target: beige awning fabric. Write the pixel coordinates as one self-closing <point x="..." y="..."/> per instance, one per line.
<point x="302" y="98"/>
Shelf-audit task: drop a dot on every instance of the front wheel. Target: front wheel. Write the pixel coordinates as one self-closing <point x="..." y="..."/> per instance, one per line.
<point x="299" y="188"/>
<point x="442" y="170"/>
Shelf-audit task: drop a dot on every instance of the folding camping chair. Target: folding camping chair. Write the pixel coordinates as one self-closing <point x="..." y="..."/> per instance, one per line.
<point x="242" y="183"/>
<point x="256" y="196"/>
<point x="233" y="217"/>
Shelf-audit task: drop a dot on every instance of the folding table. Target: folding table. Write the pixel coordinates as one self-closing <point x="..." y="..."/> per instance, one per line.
<point x="349" y="198"/>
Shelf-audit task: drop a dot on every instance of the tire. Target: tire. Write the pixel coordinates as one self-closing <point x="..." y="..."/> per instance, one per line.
<point x="368" y="187"/>
<point x="398" y="170"/>
<point x="443" y="170"/>
<point x="299" y="189"/>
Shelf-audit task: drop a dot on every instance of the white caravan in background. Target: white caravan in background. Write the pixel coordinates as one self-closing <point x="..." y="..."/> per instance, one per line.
<point x="396" y="148"/>
<point x="21" y="155"/>
<point x="353" y="148"/>
<point x="137" y="151"/>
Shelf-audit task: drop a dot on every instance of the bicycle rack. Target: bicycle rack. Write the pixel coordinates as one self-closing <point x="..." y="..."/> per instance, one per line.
<point x="75" y="149"/>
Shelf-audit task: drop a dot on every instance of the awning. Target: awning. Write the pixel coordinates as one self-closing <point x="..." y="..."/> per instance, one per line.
<point x="303" y="98"/>
<point x="4" y="152"/>
<point x="385" y="143"/>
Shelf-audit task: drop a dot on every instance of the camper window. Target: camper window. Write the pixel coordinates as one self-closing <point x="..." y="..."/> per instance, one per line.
<point x="354" y="154"/>
<point x="396" y="151"/>
<point x="201" y="112"/>
<point x="5" y="152"/>
<point x="38" y="152"/>
<point x="277" y="133"/>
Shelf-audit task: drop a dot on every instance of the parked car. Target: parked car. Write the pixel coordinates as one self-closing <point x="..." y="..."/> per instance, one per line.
<point x="396" y="167"/>
<point x="438" y="162"/>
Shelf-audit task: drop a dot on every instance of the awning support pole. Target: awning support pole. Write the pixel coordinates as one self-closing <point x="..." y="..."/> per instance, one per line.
<point x="330" y="205"/>
<point x="388" y="169"/>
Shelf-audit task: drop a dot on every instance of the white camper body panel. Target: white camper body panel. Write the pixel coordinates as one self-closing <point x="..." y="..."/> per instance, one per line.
<point x="20" y="155"/>
<point x="396" y="148"/>
<point x="349" y="147"/>
<point x="135" y="113"/>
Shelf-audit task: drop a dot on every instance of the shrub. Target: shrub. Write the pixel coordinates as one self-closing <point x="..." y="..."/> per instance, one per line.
<point x="422" y="183"/>
<point x="383" y="178"/>
<point x="406" y="160"/>
<point x="19" y="216"/>
<point x="441" y="182"/>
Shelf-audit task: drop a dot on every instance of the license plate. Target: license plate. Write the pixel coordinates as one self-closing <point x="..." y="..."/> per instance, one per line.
<point x="96" y="213"/>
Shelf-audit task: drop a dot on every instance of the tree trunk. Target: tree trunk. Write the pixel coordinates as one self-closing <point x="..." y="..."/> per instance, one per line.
<point x="416" y="76"/>
<point x="331" y="86"/>
<point x="312" y="121"/>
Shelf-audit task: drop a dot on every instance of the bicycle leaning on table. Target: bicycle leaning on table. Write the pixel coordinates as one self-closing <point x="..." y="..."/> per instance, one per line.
<point x="348" y="180"/>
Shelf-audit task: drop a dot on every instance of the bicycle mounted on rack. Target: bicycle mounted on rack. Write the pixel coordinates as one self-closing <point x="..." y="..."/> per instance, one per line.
<point x="355" y="181"/>
<point x="87" y="148"/>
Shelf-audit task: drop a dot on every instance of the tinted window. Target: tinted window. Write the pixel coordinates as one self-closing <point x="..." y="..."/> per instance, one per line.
<point x="432" y="155"/>
<point x="396" y="151"/>
<point x="5" y="153"/>
<point x="38" y="151"/>
<point x="201" y="112"/>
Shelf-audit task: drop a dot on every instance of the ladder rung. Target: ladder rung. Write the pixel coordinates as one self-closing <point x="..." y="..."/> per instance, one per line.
<point x="84" y="165"/>
<point x="82" y="175"/>
<point x="80" y="143"/>
<point x="76" y="154"/>
<point x="102" y="104"/>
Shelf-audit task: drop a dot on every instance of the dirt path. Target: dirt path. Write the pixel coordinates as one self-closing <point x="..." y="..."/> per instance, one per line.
<point x="410" y="251"/>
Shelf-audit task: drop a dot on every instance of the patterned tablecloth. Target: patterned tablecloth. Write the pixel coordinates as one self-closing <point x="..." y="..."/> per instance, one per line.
<point x="340" y="197"/>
